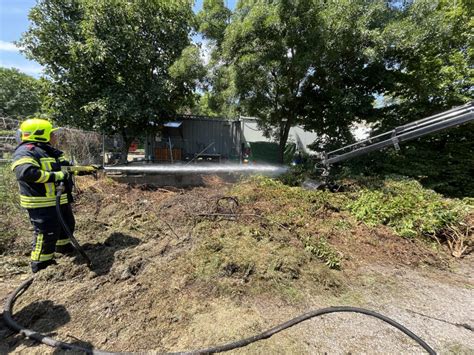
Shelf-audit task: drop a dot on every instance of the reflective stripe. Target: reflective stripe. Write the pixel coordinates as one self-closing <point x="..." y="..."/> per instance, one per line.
<point x="44" y="176"/>
<point x="49" y="187"/>
<point x="39" y="198"/>
<point x="61" y="158"/>
<point x="40" y="205"/>
<point x="35" y="254"/>
<point x="47" y="174"/>
<point x="62" y="242"/>
<point x="22" y="161"/>
<point x="46" y="257"/>
<point x="38" y="202"/>
<point x="41" y="178"/>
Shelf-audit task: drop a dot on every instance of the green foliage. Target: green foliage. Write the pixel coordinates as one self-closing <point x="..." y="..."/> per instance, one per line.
<point x="188" y="71"/>
<point x="20" y="94"/>
<point x="428" y="47"/>
<point x="303" y="62"/>
<point x="8" y="187"/>
<point x="213" y="20"/>
<point x="109" y="60"/>
<point x="323" y="250"/>
<point x="297" y="174"/>
<point x="408" y="208"/>
<point x="442" y="162"/>
<point x="294" y="176"/>
<point x="12" y="215"/>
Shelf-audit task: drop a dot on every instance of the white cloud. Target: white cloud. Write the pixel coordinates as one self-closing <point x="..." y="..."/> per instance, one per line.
<point x="30" y="69"/>
<point x="34" y="70"/>
<point x="8" y="47"/>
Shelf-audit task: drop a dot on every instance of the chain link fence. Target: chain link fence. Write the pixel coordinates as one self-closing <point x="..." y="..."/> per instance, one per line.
<point x="79" y="146"/>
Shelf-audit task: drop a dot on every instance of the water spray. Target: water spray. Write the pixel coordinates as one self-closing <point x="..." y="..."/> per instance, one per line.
<point x="198" y="169"/>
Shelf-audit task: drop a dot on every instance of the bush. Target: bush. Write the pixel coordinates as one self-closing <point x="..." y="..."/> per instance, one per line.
<point x="408" y="208"/>
<point x="13" y="218"/>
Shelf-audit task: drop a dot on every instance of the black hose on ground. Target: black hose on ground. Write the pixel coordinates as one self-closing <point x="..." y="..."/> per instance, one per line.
<point x="12" y="324"/>
<point x="8" y="309"/>
<point x="68" y="231"/>
<point x="267" y="334"/>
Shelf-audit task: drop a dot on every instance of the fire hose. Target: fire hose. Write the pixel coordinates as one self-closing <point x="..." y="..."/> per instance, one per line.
<point x="11" y="323"/>
<point x="8" y="317"/>
<point x="59" y="190"/>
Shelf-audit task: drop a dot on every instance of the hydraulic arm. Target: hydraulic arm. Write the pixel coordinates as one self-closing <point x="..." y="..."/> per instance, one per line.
<point x="451" y="118"/>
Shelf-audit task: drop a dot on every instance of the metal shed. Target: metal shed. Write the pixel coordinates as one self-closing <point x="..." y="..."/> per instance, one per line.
<point x="189" y="138"/>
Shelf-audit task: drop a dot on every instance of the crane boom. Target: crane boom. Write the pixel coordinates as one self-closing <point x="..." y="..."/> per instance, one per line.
<point x="444" y="120"/>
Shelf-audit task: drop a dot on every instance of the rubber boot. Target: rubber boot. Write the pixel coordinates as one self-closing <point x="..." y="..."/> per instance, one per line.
<point x="66" y="249"/>
<point x="40" y="265"/>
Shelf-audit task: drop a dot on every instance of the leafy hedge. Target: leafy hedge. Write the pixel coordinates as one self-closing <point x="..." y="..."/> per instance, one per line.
<point x="408" y="208"/>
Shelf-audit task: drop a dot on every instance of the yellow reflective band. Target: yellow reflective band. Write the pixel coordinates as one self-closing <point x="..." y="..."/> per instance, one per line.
<point x="38" y="202"/>
<point x="22" y="161"/>
<point x="46" y="165"/>
<point x="39" y="198"/>
<point x="41" y="178"/>
<point x="61" y="158"/>
<point x="35" y="254"/>
<point x="44" y="176"/>
<point x="62" y="242"/>
<point x="47" y="175"/>
<point x="50" y="189"/>
<point x="40" y="205"/>
<point x="46" y="257"/>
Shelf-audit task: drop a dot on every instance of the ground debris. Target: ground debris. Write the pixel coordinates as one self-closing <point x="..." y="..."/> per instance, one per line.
<point x="177" y="270"/>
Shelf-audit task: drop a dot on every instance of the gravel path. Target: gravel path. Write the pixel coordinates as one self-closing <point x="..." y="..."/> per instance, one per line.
<point x="436" y="305"/>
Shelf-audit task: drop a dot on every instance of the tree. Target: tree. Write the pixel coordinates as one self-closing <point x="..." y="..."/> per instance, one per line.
<point x="305" y="62"/>
<point x="109" y="61"/>
<point x="213" y="20"/>
<point x="218" y="97"/>
<point x="20" y="94"/>
<point x="428" y="49"/>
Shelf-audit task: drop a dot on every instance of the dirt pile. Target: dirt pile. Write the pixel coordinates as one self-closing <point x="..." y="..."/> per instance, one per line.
<point x="182" y="269"/>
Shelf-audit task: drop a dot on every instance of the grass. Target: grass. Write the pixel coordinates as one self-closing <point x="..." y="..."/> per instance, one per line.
<point x="284" y="234"/>
<point x="324" y="251"/>
<point x="402" y="204"/>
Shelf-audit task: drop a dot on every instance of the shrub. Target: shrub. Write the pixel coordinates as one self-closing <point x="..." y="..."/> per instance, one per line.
<point x="12" y="215"/>
<point x="408" y="208"/>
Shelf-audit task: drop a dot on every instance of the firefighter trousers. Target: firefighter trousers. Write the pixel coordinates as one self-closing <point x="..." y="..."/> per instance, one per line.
<point x="49" y="236"/>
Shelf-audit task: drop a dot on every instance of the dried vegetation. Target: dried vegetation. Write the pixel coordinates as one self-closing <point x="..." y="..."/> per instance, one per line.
<point x="168" y="262"/>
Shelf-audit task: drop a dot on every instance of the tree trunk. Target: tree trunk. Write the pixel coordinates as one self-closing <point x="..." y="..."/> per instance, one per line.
<point x="284" y="132"/>
<point x="127" y="142"/>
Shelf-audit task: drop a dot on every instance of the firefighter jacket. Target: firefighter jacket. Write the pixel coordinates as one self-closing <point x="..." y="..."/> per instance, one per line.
<point x="33" y="164"/>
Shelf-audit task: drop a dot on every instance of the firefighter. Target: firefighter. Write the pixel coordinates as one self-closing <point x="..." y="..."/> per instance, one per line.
<point x="37" y="166"/>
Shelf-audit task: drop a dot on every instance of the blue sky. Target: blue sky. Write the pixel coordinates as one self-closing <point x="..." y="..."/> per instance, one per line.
<point x="14" y="21"/>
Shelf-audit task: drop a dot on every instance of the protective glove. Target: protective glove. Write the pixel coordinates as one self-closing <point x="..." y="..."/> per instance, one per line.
<point x="60" y="176"/>
<point x="88" y="170"/>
